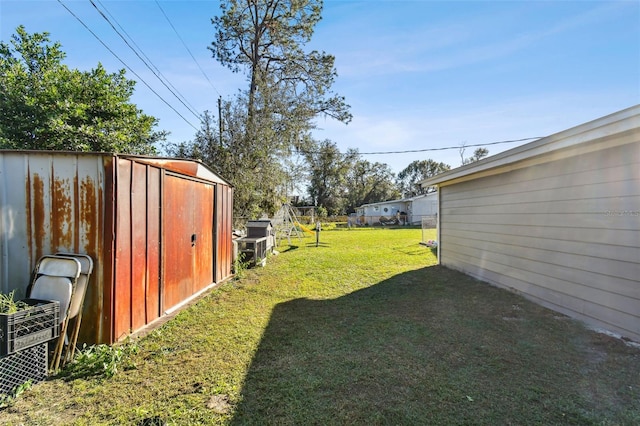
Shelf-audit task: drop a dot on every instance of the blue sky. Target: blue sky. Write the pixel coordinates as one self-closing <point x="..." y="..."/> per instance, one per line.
<point x="417" y="74"/>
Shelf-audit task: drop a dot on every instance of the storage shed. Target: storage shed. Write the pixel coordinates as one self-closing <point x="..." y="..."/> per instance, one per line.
<point x="557" y="220"/>
<point x="158" y="230"/>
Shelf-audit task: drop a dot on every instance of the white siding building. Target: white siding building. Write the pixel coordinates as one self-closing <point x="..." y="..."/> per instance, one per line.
<point x="557" y="220"/>
<point x="410" y="210"/>
<point x="423" y="207"/>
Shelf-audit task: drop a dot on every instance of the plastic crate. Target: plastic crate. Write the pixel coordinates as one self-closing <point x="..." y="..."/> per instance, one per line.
<point x="29" y="327"/>
<point x="18" y="368"/>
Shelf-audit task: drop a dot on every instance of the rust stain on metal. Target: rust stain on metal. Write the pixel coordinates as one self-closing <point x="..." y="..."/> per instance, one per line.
<point x="60" y="219"/>
<point x="88" y="208"/>
<point x="105" y="299"/>
<point x="77" y="210"/>
<point x="28" y="213"/>
<point x="38" y="214"/>
<point x="156" y="237"/>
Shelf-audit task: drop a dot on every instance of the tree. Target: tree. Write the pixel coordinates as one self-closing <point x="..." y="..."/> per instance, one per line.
<point x="46" y="105"/>
<point x="328" y="175"/>
<point x="204" y="147"/>
<point x="266" y="37"/>
<point x="478" y="154"/>
<point x="410" y="177"/>
<point x="287" y="89"/>
<point x="369" y="183"/>
<point x="256" y="175"/>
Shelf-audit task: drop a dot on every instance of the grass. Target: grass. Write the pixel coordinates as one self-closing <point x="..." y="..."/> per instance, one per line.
<point x="362" y="329"/>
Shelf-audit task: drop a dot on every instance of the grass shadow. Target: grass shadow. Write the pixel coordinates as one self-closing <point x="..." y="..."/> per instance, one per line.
<point x="433" y="346"/>
<point x="289" y="248"/>
<point x="320" y="244"/>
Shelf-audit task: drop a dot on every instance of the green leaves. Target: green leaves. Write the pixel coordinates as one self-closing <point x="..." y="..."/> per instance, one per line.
<point x="287" y="89"/>
<point x="410" y="177"/>
<point x="8" y="305"/>
<point x="101" y="361"/>
<point x="46" y="105"/>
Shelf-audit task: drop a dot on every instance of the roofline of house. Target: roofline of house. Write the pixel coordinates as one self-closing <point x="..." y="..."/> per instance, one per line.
<point x="402" y="200"/>
<point x="622" y="125"/>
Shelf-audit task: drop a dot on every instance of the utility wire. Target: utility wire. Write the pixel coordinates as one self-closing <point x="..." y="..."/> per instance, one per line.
<point x="125" y="64"/>
<point x="197" y="115"/>
<point x="146" y="57"/>
<point x="450" y="147"/>
<point x="186" y="47"/>
<point x="304" y="151"/>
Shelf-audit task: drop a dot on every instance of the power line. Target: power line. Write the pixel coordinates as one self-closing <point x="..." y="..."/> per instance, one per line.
<point x="186" y="47"/>
<point x="450" y="147"/>
<point x="197" y="115"/>
<point x="147" y="57"/>
<point x="125" y="64"/>
<point x="304" y="151"/>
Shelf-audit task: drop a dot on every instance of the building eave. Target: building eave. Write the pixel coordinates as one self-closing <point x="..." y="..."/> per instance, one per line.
<point x="615" y="129"/>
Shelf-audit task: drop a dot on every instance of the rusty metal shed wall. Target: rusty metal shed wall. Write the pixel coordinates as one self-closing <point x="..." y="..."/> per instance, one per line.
<point x="224" y="230"/>
<point x="137" y="260"/>
<point x="110" y="207"/>
<point x="166" y="238"/>
<point x="52" y="202"/>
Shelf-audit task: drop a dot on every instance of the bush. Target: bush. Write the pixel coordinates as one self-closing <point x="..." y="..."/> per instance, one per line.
<point x="100" y="361"/>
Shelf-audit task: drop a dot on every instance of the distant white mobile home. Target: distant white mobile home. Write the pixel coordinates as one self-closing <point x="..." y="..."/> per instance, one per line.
<point x="407" y="211"/>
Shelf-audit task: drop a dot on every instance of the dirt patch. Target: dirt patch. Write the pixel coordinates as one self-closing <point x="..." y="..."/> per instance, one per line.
<point x="219" y="404"/>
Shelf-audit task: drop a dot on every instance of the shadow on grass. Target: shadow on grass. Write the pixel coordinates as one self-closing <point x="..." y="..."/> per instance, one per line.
<point x="437" y="347"/>
<point x="326" y="245"/>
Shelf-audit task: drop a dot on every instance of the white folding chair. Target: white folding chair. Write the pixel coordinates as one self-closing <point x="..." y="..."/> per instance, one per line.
<point x="77" y="301"/>
<point x="56" y="278"/>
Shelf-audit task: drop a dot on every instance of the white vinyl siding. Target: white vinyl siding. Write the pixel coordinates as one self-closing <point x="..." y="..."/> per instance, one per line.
<point x="565" y="233"/>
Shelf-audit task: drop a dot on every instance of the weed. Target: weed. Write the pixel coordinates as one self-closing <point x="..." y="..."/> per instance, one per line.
<point x="240" y="266"/>
<point x="6" y="400"/>
<point x="10" y="306"/>
<point x="101" y="361"/>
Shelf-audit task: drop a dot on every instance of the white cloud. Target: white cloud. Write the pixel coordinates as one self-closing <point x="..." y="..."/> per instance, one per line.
<point x="453" y="44"/>
<point x="455" y="123"/>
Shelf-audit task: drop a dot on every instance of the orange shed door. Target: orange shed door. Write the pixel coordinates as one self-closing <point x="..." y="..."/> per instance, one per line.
<point x="187" y="235"/>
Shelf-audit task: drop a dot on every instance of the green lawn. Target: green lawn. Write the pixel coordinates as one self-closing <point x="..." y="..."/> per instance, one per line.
<point x="363" y="329"/>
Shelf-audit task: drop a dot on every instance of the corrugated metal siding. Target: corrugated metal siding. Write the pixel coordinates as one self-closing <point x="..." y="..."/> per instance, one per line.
<point x="153" y="308"/>
<point x="223" y="232"/>
<point x="204" y="245"/>
<point x="52" y="203"/>
<point x="188" y="240"/>
<point x="137" y="241"/>
<point x="565" y="233"/>
<point x="178" y="204"/>
<point x="122" y="295"/>
<point x="165" y="242"/>
<point x="132" y="216"/>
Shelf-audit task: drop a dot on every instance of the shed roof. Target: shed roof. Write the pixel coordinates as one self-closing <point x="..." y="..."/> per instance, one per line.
<point x="188" y="167"/>
<point x="192" y="168"/>
<point x="261" y="223"/>
<point x="619" y="128"/>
